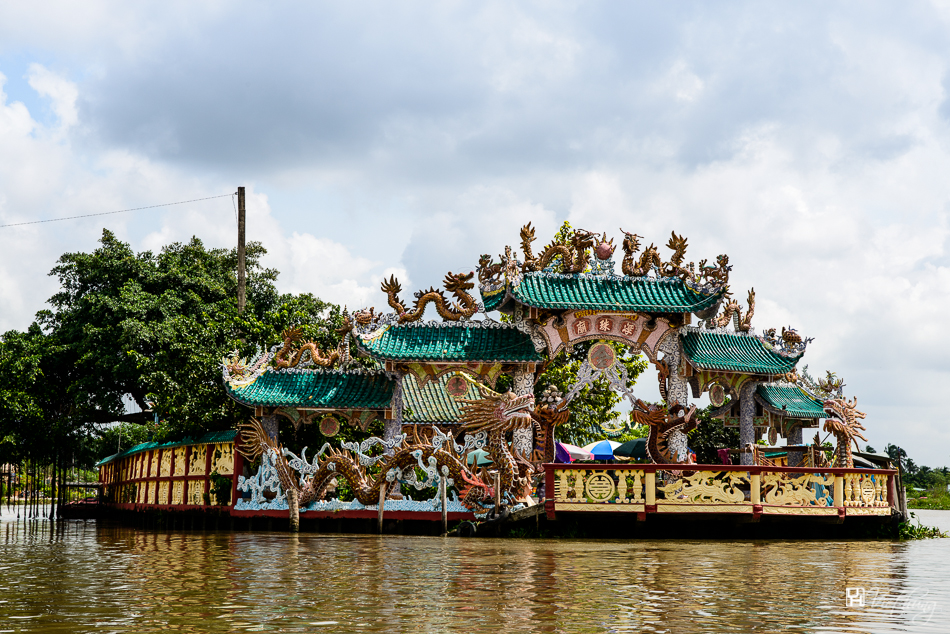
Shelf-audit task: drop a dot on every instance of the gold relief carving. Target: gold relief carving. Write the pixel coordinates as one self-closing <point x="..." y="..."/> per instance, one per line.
<point x="149" y="493"/>
<point x="153" y="463"/>
<point x="600" y="488"/>
<point x="799" y="510"/>
<point x="197" y="460"/>
<point x="222" y="460"/>
<point x="140" y="494"/>
<point x="178" y="492"/>
<point x="196" y="491"/>
<point x="180" y="461"/>
<point x="166" y="463"/>
<point x="667" y="507"/>
<point x="869" y="511"/>
<point x="865" y="490"/>
<point x="868" y="494"/>
<point x="707" y="486"/>
<point x="162" y="493"/>
<point x="560" y="486"/>
<point x="609" y="508"/>
<point x="782" y="491"/>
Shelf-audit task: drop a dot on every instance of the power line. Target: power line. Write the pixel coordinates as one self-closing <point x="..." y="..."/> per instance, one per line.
<point x="120" y="211"/>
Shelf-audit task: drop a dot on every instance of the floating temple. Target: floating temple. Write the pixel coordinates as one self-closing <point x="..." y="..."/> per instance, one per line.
<point x="447" y="429"/>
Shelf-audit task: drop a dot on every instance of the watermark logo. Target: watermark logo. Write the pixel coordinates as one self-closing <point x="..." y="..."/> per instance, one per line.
<point x="912" y="605"/>
<point x="854" y="597"/>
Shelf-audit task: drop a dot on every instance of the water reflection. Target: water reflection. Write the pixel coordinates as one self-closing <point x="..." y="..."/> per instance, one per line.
<point x="84" y="577"/>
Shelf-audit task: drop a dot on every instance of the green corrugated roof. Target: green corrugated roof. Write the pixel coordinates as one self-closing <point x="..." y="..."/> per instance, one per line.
<point x="468" y="342"/>
<point x="431" y="404"/>
<point x="598" y="292"/>
<point x="734" y="353"/>
<point x="316" y="389"/>
<point x="211" y="437"/>
<point x="793" y="401"/>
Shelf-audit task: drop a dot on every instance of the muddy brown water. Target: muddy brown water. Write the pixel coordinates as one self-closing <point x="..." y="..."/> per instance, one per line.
<point x="89" y="577"/>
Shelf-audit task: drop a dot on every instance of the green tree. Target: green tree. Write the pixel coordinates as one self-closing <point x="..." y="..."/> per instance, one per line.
<point x="596" y="404"/>
<point x="156" y="326"/>
<point x="709" y="436"/>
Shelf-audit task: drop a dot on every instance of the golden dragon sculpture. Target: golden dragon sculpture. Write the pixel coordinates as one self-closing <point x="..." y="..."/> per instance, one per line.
<point x="630" y="265"/>
<point x="843" y="423"/>
<point x="456" y="283"/>
<point x="666" y="442"/>
<point x="308" y="352"/>
<point x="574" y="257"/>
<point x="732" y="312"/>
<point x="495" y="414"/>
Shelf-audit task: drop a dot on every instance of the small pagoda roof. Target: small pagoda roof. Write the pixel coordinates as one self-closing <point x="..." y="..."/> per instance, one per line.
<point x="745" y="354"/>
<point x="430" y="403"/>
<point x="467" y="342"/>
<point x="790" y="401"/>
<point x="316" y="389"/>
<point x="583" y="291"/>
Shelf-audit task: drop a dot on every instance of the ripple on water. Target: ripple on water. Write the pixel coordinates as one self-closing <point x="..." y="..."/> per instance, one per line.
<point x="84" y="577"/>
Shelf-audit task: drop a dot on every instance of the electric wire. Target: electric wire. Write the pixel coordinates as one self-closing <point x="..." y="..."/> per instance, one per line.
<point x="120" y="211"/>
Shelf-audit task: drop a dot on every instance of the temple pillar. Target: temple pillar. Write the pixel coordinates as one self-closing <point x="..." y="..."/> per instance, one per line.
<point x="746" y="420"/>
<point x="269" y="424"/>
<point x="795" y="438"/>
<point x="392" y="427"/>
<point x="522" y="439"/>
<point x="677" y="385"/>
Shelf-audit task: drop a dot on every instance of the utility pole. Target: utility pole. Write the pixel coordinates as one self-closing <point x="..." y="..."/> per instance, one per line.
<point x="240" y="252"/>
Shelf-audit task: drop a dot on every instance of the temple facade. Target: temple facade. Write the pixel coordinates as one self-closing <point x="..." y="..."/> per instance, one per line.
<point x="432" y="385"/>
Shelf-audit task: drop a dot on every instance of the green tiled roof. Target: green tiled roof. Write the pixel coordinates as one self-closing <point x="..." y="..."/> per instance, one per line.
<point x="598" y="292"/>
<point x="492" y="300"/>
<point x="431" y="404"/>
<point x="316" y="389"/>
<point x="467" y="342"/>
<point x="211" y="437"/>
<point x="734" y="353"/>
<point x="792" y="401"/>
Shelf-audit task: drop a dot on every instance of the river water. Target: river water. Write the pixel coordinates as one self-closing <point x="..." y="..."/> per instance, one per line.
<point x="89" y="577"/>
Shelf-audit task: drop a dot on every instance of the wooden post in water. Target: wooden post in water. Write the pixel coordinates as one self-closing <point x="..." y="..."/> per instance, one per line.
<point x="293" y="503"/>
<point x="445" y="510"/>
<point x="382" y="504"/>
<point x="497" y="492"/>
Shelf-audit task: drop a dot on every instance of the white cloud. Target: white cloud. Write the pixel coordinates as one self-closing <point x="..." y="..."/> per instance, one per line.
<point x="61" y="92"/>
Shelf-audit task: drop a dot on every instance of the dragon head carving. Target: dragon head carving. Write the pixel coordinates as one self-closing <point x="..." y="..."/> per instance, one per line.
<point x="631" y="243"/>
<point x="458" y="282"/>
<point x="496" y="412"/>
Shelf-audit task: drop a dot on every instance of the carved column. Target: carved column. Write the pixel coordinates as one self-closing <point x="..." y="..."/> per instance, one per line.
<point x="393" y="426"/>
<point x="746" y="419"/>
<point x="795" y="438"/>
<point x="677" y="387"/>
<point x="523" y="439"/>
<point x="269" y="423"/>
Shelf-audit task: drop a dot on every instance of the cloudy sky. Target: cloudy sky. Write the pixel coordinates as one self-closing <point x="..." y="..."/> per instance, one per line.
<point x="809" y="142"/>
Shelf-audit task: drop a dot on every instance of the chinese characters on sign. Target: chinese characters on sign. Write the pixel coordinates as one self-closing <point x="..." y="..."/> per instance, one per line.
<point x="581" y="327"/>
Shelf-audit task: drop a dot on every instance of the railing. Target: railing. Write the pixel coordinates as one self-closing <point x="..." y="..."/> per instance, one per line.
<point x="653" y="488"/>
